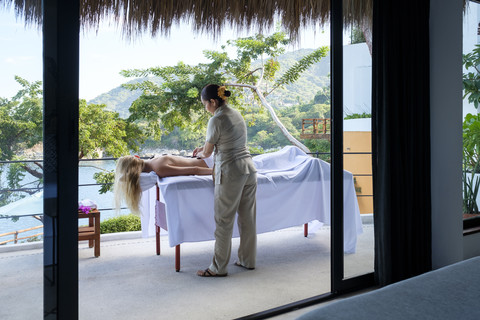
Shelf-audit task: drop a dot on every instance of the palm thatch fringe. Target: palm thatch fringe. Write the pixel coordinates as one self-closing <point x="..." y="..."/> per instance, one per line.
<point x="136" y="17"/>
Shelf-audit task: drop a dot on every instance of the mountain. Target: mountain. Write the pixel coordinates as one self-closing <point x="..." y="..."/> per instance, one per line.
<point x="118" y="99"/>
<point x="306" y="87"/>
<point x="303" y="90"/>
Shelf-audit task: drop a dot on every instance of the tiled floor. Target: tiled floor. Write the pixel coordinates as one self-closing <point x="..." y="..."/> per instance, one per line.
<point x="129" y="281"/>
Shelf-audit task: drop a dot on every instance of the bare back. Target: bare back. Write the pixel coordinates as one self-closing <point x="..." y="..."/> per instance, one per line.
<point x="168" y="165"/>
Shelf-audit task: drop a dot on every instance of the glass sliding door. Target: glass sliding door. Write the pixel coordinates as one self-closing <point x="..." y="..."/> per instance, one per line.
<point x="352" y="241"/>
<point x="357" y="150"/>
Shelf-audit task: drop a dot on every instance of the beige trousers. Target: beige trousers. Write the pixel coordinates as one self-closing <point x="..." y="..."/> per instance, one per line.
<point x="231" y="196"/>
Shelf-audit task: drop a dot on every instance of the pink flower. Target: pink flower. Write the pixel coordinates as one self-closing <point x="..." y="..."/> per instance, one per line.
<point x="85" y="209"/>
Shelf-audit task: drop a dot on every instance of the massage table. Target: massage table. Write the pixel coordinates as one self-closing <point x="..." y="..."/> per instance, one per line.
<point x="293" y="189"/>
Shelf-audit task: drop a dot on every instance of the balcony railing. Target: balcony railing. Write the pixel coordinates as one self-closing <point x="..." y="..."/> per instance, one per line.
<point x="16" y="233"/>
<point x="322" y="127"/>
<point x="316" y="129"/>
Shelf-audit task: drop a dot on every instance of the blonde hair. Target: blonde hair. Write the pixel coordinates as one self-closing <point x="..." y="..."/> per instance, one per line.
<point x="127" y="182"/>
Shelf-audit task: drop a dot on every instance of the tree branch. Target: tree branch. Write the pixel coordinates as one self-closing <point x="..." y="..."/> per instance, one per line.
<point x="249" y="74"/>
<point x="38" y="164"/>
<point x="259" y="82"/>
<point x="93" y="166"/>
<point x="274" y="87"/>
<point x="33" y="172"/>
<point x="273" y="114"/>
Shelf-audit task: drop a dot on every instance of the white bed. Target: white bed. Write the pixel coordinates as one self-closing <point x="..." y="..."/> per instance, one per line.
<point x="447" y="293"/>
<point x="293" y="189"/>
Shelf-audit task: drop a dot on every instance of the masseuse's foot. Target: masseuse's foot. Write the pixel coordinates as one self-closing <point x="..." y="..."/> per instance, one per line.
<point x="209" y="273"/>
<point x="238" y="264"/>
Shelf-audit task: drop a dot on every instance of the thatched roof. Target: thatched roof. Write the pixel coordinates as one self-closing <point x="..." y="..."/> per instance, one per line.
<point x="137" y="17"/>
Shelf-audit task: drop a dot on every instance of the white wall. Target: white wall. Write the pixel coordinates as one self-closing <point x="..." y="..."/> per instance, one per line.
<point x="446" y="19"/>
<point x="470" y="39"/>
<point x="357" y="79"/>
<point x="363" y="124"/>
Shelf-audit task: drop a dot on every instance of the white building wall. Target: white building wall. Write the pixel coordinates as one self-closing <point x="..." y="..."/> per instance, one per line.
<point x="363" y="124"/>
<point x="470" y="39"/>
<point x="357" y="79"/>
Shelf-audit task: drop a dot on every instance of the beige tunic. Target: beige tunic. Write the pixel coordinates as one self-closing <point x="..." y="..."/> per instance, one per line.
<point x="235" y="189"/>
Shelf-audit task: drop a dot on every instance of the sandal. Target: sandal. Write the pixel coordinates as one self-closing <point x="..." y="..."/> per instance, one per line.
<point x="238" y="264"/>
<point x="208" y="273"/>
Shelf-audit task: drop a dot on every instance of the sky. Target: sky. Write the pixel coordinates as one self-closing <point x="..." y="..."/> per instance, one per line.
<point x="105" y="53"/>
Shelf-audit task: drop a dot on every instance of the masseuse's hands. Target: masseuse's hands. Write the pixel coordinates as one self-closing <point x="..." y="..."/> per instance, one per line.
<point x="197" y="151"/>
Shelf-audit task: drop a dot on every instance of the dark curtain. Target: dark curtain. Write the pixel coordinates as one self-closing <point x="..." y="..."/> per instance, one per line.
<point x="401" y="139"/>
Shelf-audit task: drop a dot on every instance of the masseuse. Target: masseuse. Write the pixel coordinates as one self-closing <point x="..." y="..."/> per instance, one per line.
<point x="235" y="181"/>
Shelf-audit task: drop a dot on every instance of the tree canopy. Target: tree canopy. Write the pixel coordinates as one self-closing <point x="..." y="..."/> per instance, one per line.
<point x="21" y="119"/>
<point x="21" y="128"/>
<point x="251" y="76"/>
<point x="471" y="79"/>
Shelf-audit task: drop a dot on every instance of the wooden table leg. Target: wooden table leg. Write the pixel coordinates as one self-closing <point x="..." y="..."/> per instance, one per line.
<point x="96" y="250"/>
<point x="157" y="228"/>
<point x="92" y="231"/>
<point x="177" y="258"/>
<point x="157" y="239"/>
<point x="91" y="224"/>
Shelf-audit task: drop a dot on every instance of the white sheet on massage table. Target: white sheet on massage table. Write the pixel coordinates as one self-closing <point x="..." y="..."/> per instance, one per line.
<point x="293" y="189"/>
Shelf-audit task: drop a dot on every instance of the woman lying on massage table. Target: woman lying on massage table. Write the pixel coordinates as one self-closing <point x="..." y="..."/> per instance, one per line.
<point x="127" y="174"/>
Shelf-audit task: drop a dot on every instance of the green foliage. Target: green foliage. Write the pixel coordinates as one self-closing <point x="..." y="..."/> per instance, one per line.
<point x="263" y="133"/>
<point x="21" y="128"/>
<point x="119" y="99"/>
<point x="303" y="90"/>
<point x="183" y="139"/>
<point x="355" y="184"/>
<point x="471" y="161"/>
<point x="321" y="146"/>
<point x="265" y="138"/>
<point x="293" y="74"/>
<point x="471" y="79"/>
<point x="310" y="82"/>
<point x="471" y="132"/>
<point x="105" y="179"/>
<point x="105" y="130"/>
<point x="471" y="142"/>
<point x="470" y="192"/>
<point x="174" y="100"/>
<point x="322" y="96"/>
<point x="357" y="36"/>
<point x="21" y="119"/>
<point x="122" y="223"/>
<point x="358" y="116"/>
<point x="15" y="175"/>
<point x="256" y="150"/>
<point x="172" y="104"/>
<point x="35" y="239"/>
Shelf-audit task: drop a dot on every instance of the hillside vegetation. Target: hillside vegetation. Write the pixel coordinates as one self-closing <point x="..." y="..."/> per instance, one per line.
<point x="303" y="90"/>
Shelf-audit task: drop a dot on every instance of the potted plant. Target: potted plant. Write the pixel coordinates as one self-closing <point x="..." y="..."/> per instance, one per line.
<point x="470" y="191"/>
<point x="471" y="166"/>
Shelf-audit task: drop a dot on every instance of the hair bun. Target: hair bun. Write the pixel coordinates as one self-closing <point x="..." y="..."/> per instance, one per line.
<point x="227" y="93"/>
